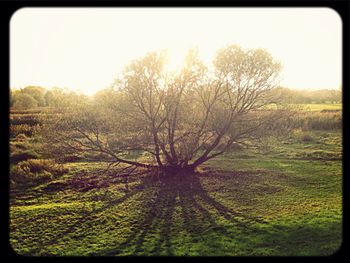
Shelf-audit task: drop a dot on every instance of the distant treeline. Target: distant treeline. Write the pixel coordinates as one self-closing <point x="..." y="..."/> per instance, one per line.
<point x="32" y="97"/>
<point x="321" y="96"/>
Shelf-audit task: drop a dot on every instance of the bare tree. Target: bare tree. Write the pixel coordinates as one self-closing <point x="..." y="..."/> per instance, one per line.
<point x="179" y="120"/>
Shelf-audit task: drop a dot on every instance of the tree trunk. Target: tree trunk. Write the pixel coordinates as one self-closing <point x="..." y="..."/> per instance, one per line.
<point x="175" y="170"/>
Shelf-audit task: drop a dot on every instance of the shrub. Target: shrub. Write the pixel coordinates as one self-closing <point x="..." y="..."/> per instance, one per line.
<point x="320" y="155"/>
<point x="70" y="158"/>
<point x="24" y="102"/>
<point x="21" y="137"/>
<point x="19" y="156"/>
<point x="323" y="120"/>
<point x="302" y="135"/>
<point x="35" y="171"/>
<point x="29" y="119"/>
<point x="19" y="145"/>
<point x="307" y="138"/>
<point x="21" y="149"/>
<point x="235" y="147"/>
<point x="24" y="129"/>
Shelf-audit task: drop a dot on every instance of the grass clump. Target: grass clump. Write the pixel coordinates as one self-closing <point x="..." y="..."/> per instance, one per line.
<point x="21" y="149"/>
<point x="320" y="155"/>
<point x="325" y="120"/>
<point x="302" y="135"/>
<point x="318" y="120"/>
<point x="21" y="137"/>
<point x="35" y="171"/>
<point x="25" y="129"/>
<point x="19" y="156"/>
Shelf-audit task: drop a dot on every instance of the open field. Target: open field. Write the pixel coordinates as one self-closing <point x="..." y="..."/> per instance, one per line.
<point x="282" y="200"/>
<point x="320" y="107"/>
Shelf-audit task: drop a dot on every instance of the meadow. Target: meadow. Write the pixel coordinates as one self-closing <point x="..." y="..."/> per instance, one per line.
<point x="322" y="107"/>
<point x="283" y="199"/>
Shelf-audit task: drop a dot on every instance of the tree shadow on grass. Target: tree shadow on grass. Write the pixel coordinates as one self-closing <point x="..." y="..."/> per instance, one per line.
<point x="86" y="217"/>
<point x="202" y="218"/>
<point x="197" y="217"/>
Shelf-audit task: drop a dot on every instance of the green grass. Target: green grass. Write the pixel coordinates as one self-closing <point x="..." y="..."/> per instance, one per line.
<point x="282" y="200"/>
<point x="320" y="107"/>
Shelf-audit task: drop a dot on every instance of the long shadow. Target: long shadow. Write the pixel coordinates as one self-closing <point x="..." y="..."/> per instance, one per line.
<point x="191" y="193"/>
<point x="154" y="232"/>
<point x="196" y="217"/>
<point x="239" y="218"/>
<point x="158" y="215"/>
<point x="88" y="216"/>
<point x="183" y="190"/>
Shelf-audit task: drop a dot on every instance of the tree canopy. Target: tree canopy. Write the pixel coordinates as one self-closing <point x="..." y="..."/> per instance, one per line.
<point x="24" y="101"/>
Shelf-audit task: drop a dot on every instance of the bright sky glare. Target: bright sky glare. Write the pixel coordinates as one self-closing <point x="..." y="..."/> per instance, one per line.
<point x="85" y="48"/>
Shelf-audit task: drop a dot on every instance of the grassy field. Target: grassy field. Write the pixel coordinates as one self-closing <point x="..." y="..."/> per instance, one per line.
<point x="320" y="107"/>
<point x="285" y="199"/>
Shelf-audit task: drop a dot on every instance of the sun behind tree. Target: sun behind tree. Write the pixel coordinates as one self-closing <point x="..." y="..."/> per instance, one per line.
<point x="179" y="119"/>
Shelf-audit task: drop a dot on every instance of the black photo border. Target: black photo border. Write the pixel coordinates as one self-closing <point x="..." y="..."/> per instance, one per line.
<point x="8" y="8"/>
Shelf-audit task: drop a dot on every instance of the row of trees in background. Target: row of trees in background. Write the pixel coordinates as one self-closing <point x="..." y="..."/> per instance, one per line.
<point x="321" y="96"/>
<point x="36" y="96"/>
<point x="32" y="97"/>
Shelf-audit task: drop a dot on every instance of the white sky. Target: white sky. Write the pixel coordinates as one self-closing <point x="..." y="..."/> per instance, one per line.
<point x="84" y="48"/>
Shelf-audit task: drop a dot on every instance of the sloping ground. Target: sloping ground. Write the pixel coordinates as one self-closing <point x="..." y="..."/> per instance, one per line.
<point x="238" y="205"/>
